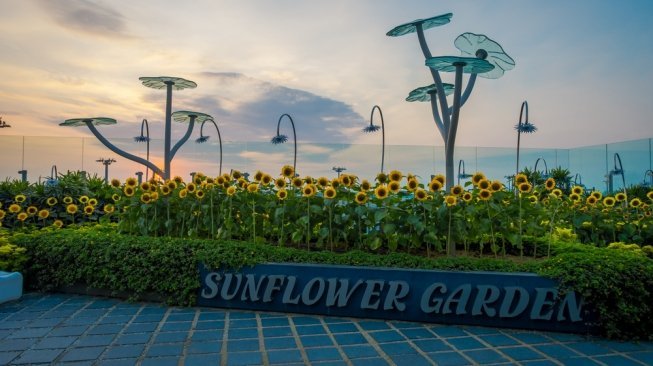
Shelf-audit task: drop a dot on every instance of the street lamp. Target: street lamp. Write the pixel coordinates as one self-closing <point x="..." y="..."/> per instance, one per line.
<point x="523" y="126"/>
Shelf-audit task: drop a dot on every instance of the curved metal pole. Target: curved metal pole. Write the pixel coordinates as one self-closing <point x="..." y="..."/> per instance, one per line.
<point x="122" y="153"/>
<point x="294" y="135"/>
<point x="183" y="140"/>
<point x="147" y="156"/>
<point x="219" y="139"/>
<point x="53" y="172"/>
<point x="468" y="91"/>
<point x="524" y="110"/>
<point x="546" y="167"/>
<point x="442" y="98"/>
<point x="376" y="107"/>
<point x="167" y="153"/>
<point x="620" y="171"/>
<point x="649" y="173"/>
<point x="461" y="162"/>
<point x="578" y="180"/>
<point x="451" y="138"/>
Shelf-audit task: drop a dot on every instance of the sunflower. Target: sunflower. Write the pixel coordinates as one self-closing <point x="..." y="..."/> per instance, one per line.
<point x="282" y="194"/>
<point x="2" y="214"/>
<point x="20" y="198"/>
<point x="72" y="208"/>
<point x="477" y="177"/>
<point x="412" y="185"/>
<point x="335" y="183"/>
<point x="496" y="186"/>
<point x="297" y="182"/>
<point x="15" y="208"/>
<point x="381" y="192"/>
<point x="467" y="197"/>
<point x="395" y="176"/>
<point x="266" y="179"/>
<point x="620" y="197"/>
<point x="457" y="190"/>
<point x="220" y="180"/>
<point x="198" y="178"/>
<point x="533" y="198"/>
<point x="280" y="182"/>
<point x="309" y="190"/>
<point x="520" y="178"/>
<point x="450" y="200"/>
<point x="557" y="192"/>
<point x="635" y="202"/>
<point x="435" y="185"/>
<point x="258" y="176"/>
<point x="128" y="191"/>
<point x="109" y="208"/>
<point x="550" y="184"/>
<point x="210" y="180"/>
<point x="58" y="224"/>
<point x="67" y="200"/>
<point x="381" y="178"/>
<point x="439" y="177"/>
<point x="591" y="200"/>
<point x="43" y="214"/>
<point x="578" y="190"/>
<point x="484" y="184"/>
<point x="88" y="210"/>
<point x="252" y="187"/>
<point x="421" y="194"/>
<point x="322" y="181"/>
<point x="360" y="198"/>
<point x="145" y="186"/>
<point x="525" y="187"/>
<point x="200" y="194"/>
<point x="92" y="202"/>
<point x="484" y="194"/>
<point x="394" y="186"/>
<point x="235" y="174"/>
<point x="146" y="198"/>
<point x="649" y="195"/>
<point x="329" y="193"/>
<point x="365" y="185"/>
<point x="608" y="201"/>
<point x="115" y="197"/>
<point x="183" y="193"/>
<point x="32" y="210"/>
<point x="231" y="190"/>
<point x="51" y="201"/>
<point x="346" y="180"/>
<point x="243" y="183"/>
<point x="288" y="171"/>
<point x="598" y="195"/>
<point x="22" y="216"/>
<point x="191" y="187"/>
<point x="575" y="197"/>
<point x="131" y="181"/>
<point x="165" y="190"/>
<point x="178" y="180"/>
<point x="83" y="199"/>
<point x="115" y="183"/>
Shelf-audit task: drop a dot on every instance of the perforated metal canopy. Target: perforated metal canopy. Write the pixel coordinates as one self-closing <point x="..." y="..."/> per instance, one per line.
<point x="75" y="122"/>
<point x="411" y="27"/>
<point x="185" y="116"/>
<point x="161" y="82"/>
<point x="480" y="46"/>
<point x="423" y="94"/>
<point x="471" y="65"/>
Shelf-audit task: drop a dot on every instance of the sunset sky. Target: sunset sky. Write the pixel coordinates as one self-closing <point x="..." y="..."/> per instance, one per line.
<point x="584" y="66"/>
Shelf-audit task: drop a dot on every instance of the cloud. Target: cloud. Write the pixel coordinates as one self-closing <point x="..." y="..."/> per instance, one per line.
<point x="86" y="17"/>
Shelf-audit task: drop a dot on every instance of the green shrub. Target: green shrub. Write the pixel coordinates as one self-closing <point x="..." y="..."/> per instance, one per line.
<point x="12" y="257"/>
<point x="618" y="284"/>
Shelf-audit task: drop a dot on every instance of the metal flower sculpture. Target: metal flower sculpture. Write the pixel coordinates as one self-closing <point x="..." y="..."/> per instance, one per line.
<point x="202" y="139"/>
<point x="373" y="128"/>
<point x="480" y="56"/>
<point x="523" y="127"/>
<point x="145" y="127"/>
<point x="159" y="82"/>
<point x="280" y="139"/>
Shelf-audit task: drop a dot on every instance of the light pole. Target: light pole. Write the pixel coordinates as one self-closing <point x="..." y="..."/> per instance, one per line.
<point x="338" y="169"/>
<point x="373" y="128"/>
<point x="203" y="139"/>
<point x="106" y="163"/>
<point x="280" y="139"/>
<point x="523" y="126"/>
<point x="145" y="127"/>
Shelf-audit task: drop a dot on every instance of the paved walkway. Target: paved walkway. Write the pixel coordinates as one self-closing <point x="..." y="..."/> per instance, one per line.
<point x="85" y="330"/>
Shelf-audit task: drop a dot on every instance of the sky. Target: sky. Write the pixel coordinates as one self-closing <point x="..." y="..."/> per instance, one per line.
<point x="582" y="65"/>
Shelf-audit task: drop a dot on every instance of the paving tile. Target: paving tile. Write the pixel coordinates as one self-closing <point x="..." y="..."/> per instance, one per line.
<point x="159" y="350"/>
<point x="399" y="348"/>
<point x="274" y="322"/>
<point x="211" y="324"/>
<point x="330" y="363"/>
<point x="242" y="323"/>
<point x="103" y="304"/>
<point x="82" y="354"/>
<point x="410" y="360"/>
<point x="531" y="338"/>
<point x="407" y="325"/>
<point x="306" y="320"/>
<point x="54" y="342"/>
<point x="6" y="357"/>
<point x="449" y="332"/>
<point x="566" y="337"/>
<point x="38" y="356"/>
<point x="202" y="360"/>
<point x="277" y="332"/>
<point x="171" y="337"/>
<point x="148" y="318"/>
<point x="589" y="348"/>
<point x="160" y="361"/>
<point x="242" y="345"/>
<point x="26" y="315"/>
<point x="17" y="344"/>
<point x="284" y="357"/>
<point x="207" y="335"/>
<point x="625" y="346"/>
<point x="316" y="341"/>
<point x="124" y="351"/>
<point x="432" y="345"/>
<point x="310" y="329"/>
<point x="617" y="360"/>
<point x="45" y="322"/>
<point x="580" y="361"/>
<point x="176" y="326"/>
<point x="118" y="362"/>
<point x="30" y="333"/>
<point x="520" y="353"/>
<point x="465" y="343"/>
<point x="242" y="315"/>
<point x="485" y="356"/>
<point x="377" y="361"/>
<point x="373" y="325"/>
<point x="646" y="357"/>
<point x="333" y="320"/>
<point x="244" y="358"/>
<point x="142" y="327"/>
<point x="125" y="311"/>
<point x="418" y="333"/>
<point x="17" y="324"/>
<point x="360" y="351"/>
<point x="322" y="354"/>
<point x="350" y="338"/>
<point x="556" y="351"/>
<point x="499" y="340"/>
<point x="95" y="340"/>
<point x="117" y="319"/>
<point x="153" y="309"/>
<point x="386" y="336"/>
<point x="106" y="329"/>
<point x="133" y="338"/>
<point x="243" y="333"/>
<point x="204" y="347"/>
<point x="481" y="330"/>
<point x="210" y="315"/>
<point x="448" y="359"/>
<point x="539" y="363"/>
<point x="342" y="328"/>
<point x="184" y="317"/>
<point x="91" y="313"/>
<point x="280" y="343"/>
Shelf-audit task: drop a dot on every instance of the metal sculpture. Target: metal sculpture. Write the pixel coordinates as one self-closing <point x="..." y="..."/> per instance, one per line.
<point x="373" y="128"/>
<point x="202" y="139"/>
<point x="280" y="139"/>
<point x="523" y="126"/>
<point x="145" y="127"/>
<point x="106" y="163"/>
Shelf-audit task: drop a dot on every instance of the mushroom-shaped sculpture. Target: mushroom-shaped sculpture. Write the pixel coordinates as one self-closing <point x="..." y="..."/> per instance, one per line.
<point x="480" y="46"/>
<point x="162" y="82"/>
<point x="469" y="65"/>
<point x="204" y="138"/>
<point x="189" y="117"/>
<point x="97" y="121"/>
<point x="411" y="27"/>
<point x="423" y="93"/>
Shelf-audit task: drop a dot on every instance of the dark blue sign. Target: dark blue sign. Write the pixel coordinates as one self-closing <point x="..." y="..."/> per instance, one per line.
<point x="514" y="300"/>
